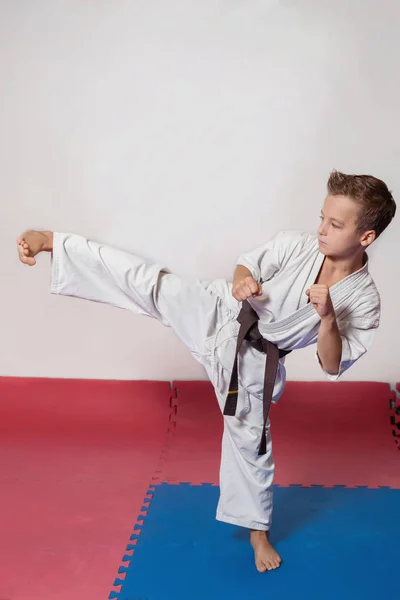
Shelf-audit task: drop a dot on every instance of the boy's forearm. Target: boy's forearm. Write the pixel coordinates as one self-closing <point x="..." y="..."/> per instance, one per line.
<point x="329" y="346"/>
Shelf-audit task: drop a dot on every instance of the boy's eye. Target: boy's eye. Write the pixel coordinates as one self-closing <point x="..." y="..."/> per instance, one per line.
<point x="335" y="226"/>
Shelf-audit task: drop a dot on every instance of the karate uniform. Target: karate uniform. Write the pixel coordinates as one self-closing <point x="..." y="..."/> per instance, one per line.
<point x="204" y="315"/>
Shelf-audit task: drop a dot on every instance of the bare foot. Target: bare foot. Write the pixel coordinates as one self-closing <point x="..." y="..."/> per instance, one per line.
<point x="31" y="243"/>
<point x="265" y="556"/>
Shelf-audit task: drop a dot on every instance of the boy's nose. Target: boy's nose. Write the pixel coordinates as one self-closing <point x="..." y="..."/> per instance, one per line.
<point x="322" y="229"/>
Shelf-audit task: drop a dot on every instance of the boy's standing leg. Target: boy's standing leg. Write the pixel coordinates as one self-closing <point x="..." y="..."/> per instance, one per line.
<point x="246" y="480"/>
<point x="96" y="272"/>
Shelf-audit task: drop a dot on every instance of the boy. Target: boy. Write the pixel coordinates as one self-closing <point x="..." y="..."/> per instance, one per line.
<point x="296" y="290"/>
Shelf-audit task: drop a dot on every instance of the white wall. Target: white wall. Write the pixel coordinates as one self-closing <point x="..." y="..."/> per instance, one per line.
<point x="189" y="132"/>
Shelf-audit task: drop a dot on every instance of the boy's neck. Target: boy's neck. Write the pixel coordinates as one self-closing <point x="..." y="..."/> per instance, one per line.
<point x="344" y="266"/>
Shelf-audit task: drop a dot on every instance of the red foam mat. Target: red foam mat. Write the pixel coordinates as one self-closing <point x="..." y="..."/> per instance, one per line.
<point x="323" y="434"/>
<point x="335" y="434"/>
<point x="194" y="452"/>
<point x="76" y="459"/>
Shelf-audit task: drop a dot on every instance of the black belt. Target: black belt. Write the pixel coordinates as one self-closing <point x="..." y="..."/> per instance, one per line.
<point x="249" y="331"/>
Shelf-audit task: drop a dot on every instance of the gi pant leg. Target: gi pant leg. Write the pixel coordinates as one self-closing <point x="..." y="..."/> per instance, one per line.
<point x="93" y="271"/>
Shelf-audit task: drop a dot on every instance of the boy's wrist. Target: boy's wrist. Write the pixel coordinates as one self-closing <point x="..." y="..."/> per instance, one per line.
<point x="48" y="244"/>
<point x="329" y="320"/>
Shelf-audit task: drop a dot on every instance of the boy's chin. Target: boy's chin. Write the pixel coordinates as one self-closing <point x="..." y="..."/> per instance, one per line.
<point x="323" y="248"/>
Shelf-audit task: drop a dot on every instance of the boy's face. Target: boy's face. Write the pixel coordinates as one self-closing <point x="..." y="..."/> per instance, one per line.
<point x="338" y="234"/>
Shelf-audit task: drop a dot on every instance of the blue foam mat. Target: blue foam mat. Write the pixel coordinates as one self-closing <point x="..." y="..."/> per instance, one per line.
<point x="336" y="543"/>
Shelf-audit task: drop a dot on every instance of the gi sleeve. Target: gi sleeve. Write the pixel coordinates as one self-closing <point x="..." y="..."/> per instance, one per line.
<point x="263" y="262"/>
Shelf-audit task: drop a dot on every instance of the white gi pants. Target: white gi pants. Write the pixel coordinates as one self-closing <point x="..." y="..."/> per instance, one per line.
<point x="203" y="315"/>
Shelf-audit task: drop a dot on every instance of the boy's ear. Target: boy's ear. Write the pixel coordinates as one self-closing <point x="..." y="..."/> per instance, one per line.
<point x="367" y="238"/>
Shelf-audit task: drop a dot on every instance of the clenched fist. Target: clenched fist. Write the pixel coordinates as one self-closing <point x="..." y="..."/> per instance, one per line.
<point x="320" y="298"/>
<point x="246" y="288"/>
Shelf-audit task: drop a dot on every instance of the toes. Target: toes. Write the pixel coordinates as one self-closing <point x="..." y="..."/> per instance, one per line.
<point x="268" y="565"/>
<point x="265" y="565"/>
<point x="260" y="564"/>
<point x="27" y="260"/>
<point x="277" y="562"/>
